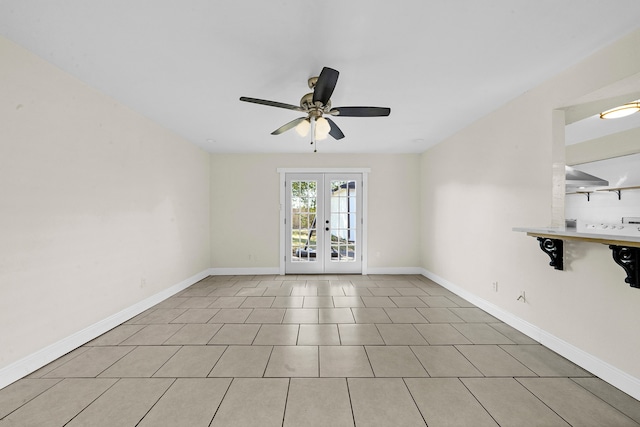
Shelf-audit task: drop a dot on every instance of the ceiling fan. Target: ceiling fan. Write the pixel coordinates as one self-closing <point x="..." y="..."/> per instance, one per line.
<point x="317" y="104"/>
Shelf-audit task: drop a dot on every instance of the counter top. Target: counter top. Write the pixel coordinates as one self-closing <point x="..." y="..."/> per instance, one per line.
<point x="625" y="249"/>
<point x="563" y="233"/>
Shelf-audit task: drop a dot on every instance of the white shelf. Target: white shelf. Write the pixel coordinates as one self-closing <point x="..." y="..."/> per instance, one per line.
<point x="617" y="190"/>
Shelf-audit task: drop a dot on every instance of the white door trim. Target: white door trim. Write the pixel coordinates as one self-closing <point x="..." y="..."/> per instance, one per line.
<point x="365" y="188"/>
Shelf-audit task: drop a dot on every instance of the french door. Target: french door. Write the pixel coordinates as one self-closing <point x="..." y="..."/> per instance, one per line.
<point x="323" y="223"/>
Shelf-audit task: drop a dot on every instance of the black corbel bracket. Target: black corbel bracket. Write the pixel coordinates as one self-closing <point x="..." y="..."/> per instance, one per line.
<point x="629" y="259"/>
<point x="553" y="248"/>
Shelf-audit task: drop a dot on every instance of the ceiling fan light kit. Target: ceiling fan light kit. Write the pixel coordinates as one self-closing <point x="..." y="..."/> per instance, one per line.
<point x="316" y="104"/>
<point x="322" y="128"/>
<point x="303" y="127"/>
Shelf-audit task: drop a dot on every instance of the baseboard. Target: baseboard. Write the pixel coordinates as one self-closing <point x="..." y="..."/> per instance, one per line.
<point x="35" y="361"/>
<point x="600" y="368"/>
<point x="240" y="271"/>
<point x="275" y="270"/>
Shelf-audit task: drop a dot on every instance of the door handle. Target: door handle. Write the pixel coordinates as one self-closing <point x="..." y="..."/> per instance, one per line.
<point x="326" y="229"/>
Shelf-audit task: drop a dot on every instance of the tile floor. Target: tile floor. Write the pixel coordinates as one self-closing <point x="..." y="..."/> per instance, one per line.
<point x="314" y="351"/>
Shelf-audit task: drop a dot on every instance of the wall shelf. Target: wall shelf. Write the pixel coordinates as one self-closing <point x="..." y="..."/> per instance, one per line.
<point x="625" y="249"/>
<point x="617" y="190"/>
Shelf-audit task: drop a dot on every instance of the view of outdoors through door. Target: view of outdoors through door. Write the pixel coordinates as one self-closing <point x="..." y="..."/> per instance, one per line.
<point x="323" y="213"/>
<point x="304" y="206"/>
<point x="343" y="220"/>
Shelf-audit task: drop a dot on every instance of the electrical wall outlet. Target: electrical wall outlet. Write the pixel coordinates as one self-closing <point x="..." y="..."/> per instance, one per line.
<point x="495" y="286"/>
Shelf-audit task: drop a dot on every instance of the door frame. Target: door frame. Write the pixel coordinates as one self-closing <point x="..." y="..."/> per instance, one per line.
<point x="283" y="212"/>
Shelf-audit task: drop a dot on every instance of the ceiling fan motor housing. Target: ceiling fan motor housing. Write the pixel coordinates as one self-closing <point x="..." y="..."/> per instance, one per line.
<point x="306" y="103"/>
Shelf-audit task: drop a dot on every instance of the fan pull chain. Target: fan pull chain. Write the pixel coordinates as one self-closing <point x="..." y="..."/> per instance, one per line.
<point x="313" y="134"/>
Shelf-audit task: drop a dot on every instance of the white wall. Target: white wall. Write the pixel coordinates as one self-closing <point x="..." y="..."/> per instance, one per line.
<point x="245" y="197"/>
<point x="497" y="174"/>
<point x="99" y="207"/>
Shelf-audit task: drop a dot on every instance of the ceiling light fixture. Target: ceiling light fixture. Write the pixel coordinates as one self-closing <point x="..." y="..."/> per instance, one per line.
<point x="303" y="128"/>
<point x="322" y="128"/>
<point x="621" y="111"/>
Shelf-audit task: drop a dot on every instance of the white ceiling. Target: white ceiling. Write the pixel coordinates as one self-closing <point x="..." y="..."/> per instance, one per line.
<point x="439" y="65"/>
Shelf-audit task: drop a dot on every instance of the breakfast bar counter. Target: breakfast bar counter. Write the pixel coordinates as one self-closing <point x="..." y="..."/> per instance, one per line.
<point x="625" y="248"/>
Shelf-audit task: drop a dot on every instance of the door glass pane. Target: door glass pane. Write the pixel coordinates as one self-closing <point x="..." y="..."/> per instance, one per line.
<point x="304" y="197"/>
<point x="343" y="221"/>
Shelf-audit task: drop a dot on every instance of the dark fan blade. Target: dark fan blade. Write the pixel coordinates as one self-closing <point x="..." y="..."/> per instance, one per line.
<point x="361" y="111"/>
<point x="325" y="85"/>
<point x="271" y="103"/>
<point x="335" y="131"/>
<point x="290" y="125"/>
